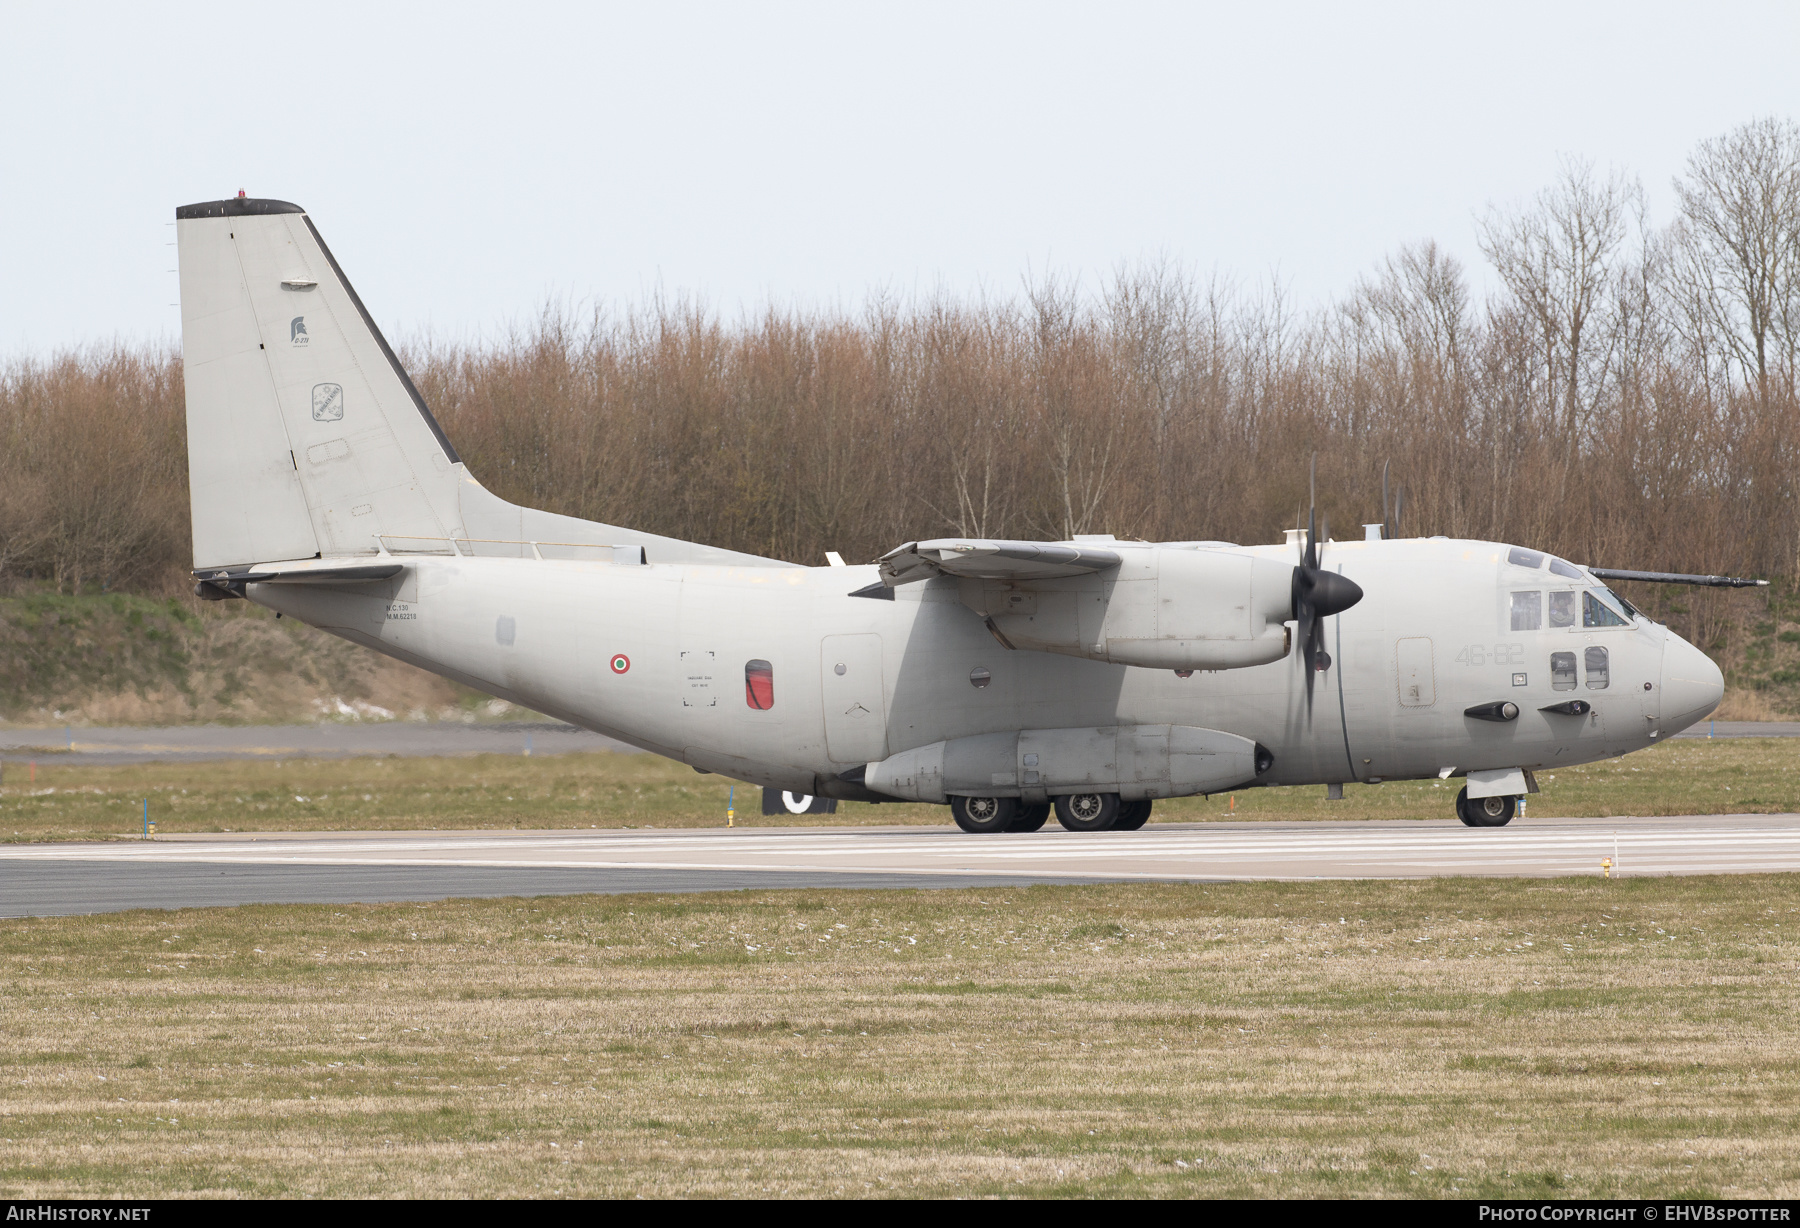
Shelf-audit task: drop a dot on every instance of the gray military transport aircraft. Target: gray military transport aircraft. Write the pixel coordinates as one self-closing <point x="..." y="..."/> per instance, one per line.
<point x="1005" y="678"/>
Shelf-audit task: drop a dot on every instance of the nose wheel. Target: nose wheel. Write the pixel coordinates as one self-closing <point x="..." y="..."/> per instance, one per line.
<point x="1485" y="811"/>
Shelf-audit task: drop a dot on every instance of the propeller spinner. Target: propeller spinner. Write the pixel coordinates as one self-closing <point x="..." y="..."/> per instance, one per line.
<point x="1318" y="594"/>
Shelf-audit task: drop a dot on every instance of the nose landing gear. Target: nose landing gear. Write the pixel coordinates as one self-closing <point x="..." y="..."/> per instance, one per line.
<point x="1485" y="811"/>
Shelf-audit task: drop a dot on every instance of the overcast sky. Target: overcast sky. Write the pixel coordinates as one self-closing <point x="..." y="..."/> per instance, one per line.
<point x="465" y="161"/>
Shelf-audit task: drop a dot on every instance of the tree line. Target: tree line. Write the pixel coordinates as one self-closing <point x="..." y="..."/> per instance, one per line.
<point x="1626" y="398"/>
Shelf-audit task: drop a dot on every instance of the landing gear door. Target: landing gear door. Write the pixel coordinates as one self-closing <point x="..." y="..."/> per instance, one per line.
<point x="854" y="697"/>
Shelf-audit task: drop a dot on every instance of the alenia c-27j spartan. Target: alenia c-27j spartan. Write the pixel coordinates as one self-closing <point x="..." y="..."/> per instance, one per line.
<point x="1001" y="677"/>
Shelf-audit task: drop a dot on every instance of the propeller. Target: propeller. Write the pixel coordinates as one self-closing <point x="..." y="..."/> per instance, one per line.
<point x="1318" y="594"/>
<point x="1390" y="524"/>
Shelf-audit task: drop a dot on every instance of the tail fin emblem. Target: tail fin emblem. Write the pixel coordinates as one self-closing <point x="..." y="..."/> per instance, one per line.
<point x="328" y="402"/>
<point x="297" y="331"/>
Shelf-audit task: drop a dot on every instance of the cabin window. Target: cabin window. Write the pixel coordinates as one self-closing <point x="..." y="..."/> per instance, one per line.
<point x="1562" y="608"/>
<point x="1524" y="558"/>
<point x="1597" y="673"/>
<point x="1527" y="611"/>
<point x="1567" y="571"/>
<point x="759" y="685"/>
<point x="1596" y="611"/>
<point x="1562" y="671"/>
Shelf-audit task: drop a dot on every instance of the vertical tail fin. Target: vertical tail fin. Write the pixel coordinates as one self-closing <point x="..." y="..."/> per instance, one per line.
<point x="305" y="435"/>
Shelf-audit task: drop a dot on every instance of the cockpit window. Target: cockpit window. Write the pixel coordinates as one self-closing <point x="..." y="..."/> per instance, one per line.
<point x="1623" y="604"/>
<point x="1562" y="608"/>
<point x="1527" y="610"/>
<point x="1599" y="608"/>
<point x="1566" y="570"/>
<point x="1562" y="671"/>
<point x="1520" y="557"/>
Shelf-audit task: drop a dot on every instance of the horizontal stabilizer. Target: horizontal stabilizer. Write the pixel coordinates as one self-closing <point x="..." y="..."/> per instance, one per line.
<point x="230" y="581"/>
<point x="982" y="559"/>
<point x="357" y="574"/>
<point x="1672" y="577"/>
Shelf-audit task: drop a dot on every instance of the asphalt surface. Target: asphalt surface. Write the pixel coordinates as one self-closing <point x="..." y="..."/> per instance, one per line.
<point x="342" y="867"/>
<point x="74" y="746"/>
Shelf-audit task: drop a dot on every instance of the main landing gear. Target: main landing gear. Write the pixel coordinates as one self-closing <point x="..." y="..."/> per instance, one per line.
<point x="1485" y="811"/>
<point x="1076" y="811"/>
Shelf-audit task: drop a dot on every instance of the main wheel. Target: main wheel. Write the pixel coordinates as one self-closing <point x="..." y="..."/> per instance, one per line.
<point x="1031" y="818"/>
<point x="1088" y="811"/>
<point x="1485" y="811"/>
<point x="983" y="814"/>
<point x="1133" y="815"/>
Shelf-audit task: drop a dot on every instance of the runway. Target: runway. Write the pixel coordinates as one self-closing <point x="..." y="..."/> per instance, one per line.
<point x="197" y="871"/>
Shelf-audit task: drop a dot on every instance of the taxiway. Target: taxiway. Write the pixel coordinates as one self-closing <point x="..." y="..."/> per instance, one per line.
<point x="342" y="867"/>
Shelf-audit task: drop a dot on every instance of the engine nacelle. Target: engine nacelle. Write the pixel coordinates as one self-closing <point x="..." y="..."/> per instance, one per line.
<point x="1134" y="761"/>
<point x="1160" y="608"/>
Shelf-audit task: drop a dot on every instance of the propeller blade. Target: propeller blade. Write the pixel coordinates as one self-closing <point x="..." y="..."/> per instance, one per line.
<point x="1317" y="594"/>
<point x="1310" y="560"/>
<point x="1309" y="626"/>
<point x="1387" y="525"/>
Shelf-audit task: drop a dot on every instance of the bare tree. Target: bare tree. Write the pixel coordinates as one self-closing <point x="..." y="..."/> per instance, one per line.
<point x="1737" y="247"/>
<point x="1557" y="259"/>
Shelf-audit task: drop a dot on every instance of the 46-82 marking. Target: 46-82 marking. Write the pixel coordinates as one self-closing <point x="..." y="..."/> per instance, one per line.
<point x="1492" y="654"/>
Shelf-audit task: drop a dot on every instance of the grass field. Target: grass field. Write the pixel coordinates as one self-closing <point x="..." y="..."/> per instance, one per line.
<point x="1453" y="1037"/>
<point x="607" y="790"/>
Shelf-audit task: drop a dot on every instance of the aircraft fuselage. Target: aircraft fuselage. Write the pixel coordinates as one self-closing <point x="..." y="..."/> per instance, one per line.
<point x="659" y="655"/>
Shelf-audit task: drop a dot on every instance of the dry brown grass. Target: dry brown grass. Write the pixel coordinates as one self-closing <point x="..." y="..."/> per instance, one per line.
<point x="1459" y="1037"/>
<point x="1734" y="776"/>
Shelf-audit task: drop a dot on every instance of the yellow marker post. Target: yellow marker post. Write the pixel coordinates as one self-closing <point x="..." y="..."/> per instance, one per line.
<point x="1606" y="866"/>
<point x="731" y="807"/>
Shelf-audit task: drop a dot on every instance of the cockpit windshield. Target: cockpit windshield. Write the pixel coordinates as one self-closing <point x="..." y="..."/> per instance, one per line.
<point x="1623" y="604"/>
<point x="1601" y="608"/>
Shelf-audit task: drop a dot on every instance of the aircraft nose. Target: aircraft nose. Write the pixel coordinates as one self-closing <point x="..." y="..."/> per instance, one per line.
<point x="1692" y="685"/>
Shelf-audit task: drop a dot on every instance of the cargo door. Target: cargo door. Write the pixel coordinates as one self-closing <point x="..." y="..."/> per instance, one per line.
<point x="855" y="698"/>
